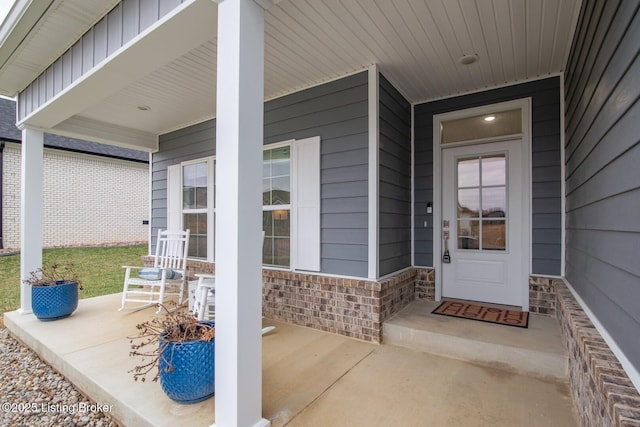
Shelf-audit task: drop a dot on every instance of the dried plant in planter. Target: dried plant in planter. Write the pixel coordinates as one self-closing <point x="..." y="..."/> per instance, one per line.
<point x="156" y="335"/>
<point x="53" y="274"/>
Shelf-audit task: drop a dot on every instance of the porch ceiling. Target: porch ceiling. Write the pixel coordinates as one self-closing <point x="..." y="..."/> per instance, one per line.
<point x="416" y="43"/>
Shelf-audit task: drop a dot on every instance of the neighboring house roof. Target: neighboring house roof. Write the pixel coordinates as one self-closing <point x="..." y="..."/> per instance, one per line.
<point x="9" y="132"/>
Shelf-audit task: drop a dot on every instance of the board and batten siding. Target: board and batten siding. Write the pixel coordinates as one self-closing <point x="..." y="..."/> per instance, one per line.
<point x="394" y="192"/>
<point x="125" y="21"/>
<point x="545" y="162"/>
<point x="337" y="112"/>
<point x="602" y="154"/>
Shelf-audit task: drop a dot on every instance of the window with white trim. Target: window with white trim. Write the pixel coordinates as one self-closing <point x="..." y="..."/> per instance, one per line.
<point x="276" y="206"/>
<point x="191" y="201"/>
<point x="290" y="204"/>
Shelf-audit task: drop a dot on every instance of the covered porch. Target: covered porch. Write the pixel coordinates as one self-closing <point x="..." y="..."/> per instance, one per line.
<point x="221" y="83"/>
<point x="312" y="378"/>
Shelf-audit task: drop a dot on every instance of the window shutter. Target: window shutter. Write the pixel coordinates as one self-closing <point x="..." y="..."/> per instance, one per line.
<point x="174" y="210"/>
<point x="307" y="204"/>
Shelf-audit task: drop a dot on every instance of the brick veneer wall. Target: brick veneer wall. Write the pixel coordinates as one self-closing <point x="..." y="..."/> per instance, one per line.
<point x="542" y="295"/>
<point x="425" y="283"/>
<point x="603" y="393"/>
<point x="88" y="200"/>
<point x="350" y="307"/>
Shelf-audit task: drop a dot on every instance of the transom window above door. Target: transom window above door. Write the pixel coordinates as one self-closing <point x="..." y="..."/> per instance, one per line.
<point x="481" y="198"/>
<point x="484" y="126"/>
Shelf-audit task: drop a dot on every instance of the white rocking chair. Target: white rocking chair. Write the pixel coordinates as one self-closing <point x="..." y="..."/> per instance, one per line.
<point x="169" y="268"/>
<point x="205" y="298"/>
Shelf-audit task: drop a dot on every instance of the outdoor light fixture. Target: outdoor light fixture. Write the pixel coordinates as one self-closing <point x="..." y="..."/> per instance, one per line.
<point x="489" y="118"/>
<point x="468" y="59"/>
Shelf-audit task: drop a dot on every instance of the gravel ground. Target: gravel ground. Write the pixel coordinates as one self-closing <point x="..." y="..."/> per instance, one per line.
<point x="33" y="394"/>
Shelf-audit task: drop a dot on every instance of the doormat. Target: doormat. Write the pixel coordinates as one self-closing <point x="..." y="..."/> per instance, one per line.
<point x="500" y="316"/>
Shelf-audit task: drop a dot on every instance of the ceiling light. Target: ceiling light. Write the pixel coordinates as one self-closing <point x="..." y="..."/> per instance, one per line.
<point x="489" y="118"/>
<point x="144" y="108"/>
<point x="468" y="59"/>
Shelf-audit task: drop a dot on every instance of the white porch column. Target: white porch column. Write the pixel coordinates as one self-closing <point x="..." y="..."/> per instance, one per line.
<point x="239" y="131"/>
<point x="31" y="211"/>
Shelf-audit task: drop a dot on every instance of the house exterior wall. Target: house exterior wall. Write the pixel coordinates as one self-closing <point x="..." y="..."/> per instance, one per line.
<point x="602" y="89"/>
<point x="186" y="144"/>
<point x="545" y="161"/>
<point x="394" y="190"/>
<point x="124" y="22"/>
<point x="338" y="113"/>
<point x="88" y="200"/>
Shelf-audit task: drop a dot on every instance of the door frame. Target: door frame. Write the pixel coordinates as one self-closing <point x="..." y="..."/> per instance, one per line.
<point x="525" y="105"/>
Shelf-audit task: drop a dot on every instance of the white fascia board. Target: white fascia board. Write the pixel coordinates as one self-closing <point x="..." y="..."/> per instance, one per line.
<point x="185" y="28"/>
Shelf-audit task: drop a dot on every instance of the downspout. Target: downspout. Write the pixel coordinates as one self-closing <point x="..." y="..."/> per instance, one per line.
<point x="1" y="185"/>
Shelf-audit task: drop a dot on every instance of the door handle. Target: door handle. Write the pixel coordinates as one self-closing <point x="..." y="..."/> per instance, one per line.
<point x="446" y="257"/>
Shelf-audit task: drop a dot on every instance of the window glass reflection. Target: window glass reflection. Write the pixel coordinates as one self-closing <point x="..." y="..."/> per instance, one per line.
<point x="481" y="198"/>
<point x="494" y="202"/>
<point x="494" y="235"/>
<point x="197" y="224"/>
<point x="469" y="203"/>
<point x="494" y="170"/>
<point x="468" y="173"/>
<point x="468" y="234"/>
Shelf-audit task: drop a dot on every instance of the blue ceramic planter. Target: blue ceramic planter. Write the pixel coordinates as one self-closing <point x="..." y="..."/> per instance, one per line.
<point x="192" y="378"/>
<point x="54" y="302"/>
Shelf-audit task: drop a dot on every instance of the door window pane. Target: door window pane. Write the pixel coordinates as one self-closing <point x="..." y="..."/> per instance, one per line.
<point x="494" y="235"/>
<point x="468" y="173"/>
<point x="468" y="234"/>
<point x="494" y="170"/>
<point x="482" y="194"/>
<point x="469" y="203"/>
<point x="494" y="202"/>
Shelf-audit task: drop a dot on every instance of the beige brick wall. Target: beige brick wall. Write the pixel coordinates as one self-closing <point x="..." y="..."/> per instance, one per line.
<point x="88" y="200"/>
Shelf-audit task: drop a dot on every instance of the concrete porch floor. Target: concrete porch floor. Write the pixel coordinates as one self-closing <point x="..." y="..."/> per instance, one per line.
<point x="310" y="378"/>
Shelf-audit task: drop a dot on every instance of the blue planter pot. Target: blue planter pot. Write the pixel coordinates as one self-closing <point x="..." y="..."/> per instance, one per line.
<point x="54" y="302"/>
<point x="187" y="370"/>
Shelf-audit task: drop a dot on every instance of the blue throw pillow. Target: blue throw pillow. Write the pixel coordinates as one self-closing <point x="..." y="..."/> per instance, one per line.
<point x="153" y="273"/>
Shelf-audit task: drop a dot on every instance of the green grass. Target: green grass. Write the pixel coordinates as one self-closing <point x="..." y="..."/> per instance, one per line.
<point x="99" y="269"/>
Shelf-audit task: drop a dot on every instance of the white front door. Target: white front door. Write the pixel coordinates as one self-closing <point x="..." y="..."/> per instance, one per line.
<point x="482" y="223"/>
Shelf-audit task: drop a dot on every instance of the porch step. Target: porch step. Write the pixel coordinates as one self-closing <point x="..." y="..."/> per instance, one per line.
<point x="537" y="350"/>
